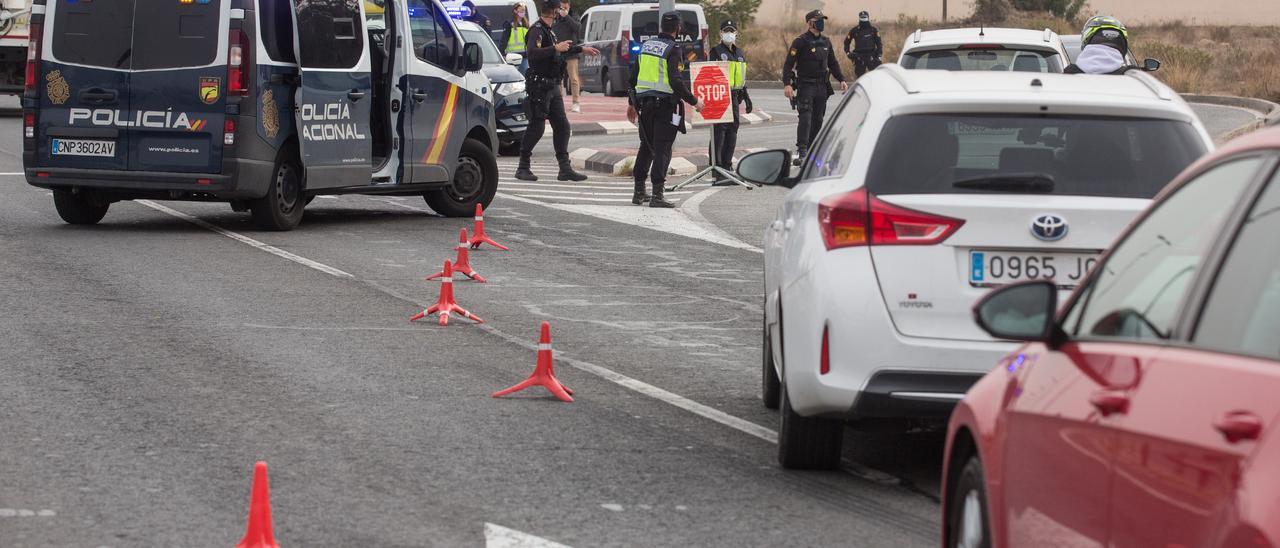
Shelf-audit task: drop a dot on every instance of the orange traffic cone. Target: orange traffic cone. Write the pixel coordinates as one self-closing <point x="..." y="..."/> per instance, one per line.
<point x="259" y="533"/>
<point x="478" y="236"/>
<point x="544" y="373"/>
<point x="463" y="264"/>
<point x="445" y="305"/>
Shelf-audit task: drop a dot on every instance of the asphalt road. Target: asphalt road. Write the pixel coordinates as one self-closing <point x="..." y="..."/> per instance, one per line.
<point x="150" y="360"/>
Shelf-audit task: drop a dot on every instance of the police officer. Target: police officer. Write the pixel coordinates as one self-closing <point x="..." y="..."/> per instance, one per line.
<point x="1106" y="41"/>
<point x="475" y="16"/>
<point x="658" y="94"/>
<point x="725" y="136"/>
<point x="542" y="82"/>
<point x="867" y="47"/>
<point x="805" y="78"/>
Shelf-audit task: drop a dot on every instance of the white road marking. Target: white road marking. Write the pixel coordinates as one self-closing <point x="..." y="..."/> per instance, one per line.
<point x="247" y="240"/>
<point x="691" y="208"/>
<point x="497" y="536"/>
<point x="612" y="507"/>
<point x="348" y="328"/>
<point x="536" y="194"/>
<point x="13" y="173"/>
<point x="26" y="513"/>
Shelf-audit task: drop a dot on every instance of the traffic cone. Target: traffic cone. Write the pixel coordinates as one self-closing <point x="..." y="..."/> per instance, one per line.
<point x="445" y="305"/>
<point x="479" y="237"/>
<point x="259" y="532"/>
<point x="544" y="373"/>
<point x="463" y="264"/>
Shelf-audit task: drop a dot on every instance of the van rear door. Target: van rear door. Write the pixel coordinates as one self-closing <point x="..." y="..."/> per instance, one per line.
<point x="84" y="85"/>
<point x="335" y="98"/>
<point x="178" y="84"/>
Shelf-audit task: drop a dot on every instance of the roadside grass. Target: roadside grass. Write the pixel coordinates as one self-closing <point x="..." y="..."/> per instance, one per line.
<point x="1211" y="59"/>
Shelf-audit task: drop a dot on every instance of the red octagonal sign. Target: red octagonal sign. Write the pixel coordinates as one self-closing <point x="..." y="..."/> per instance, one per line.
<point x="712" y="86"/>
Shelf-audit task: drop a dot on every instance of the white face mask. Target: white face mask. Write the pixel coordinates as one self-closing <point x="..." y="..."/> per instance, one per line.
<point x="728" y="37"/>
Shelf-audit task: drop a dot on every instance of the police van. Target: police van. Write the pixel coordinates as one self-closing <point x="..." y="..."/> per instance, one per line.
<point x="618" y="27"/>
<point x="260" y="103"/>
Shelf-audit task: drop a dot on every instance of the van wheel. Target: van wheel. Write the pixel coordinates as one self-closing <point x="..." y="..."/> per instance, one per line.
<point x="606" y="83"/>
<point x="967" y="509"/>
<point x="79" y="208"/>
<point x="281" y="208"/>
<point x="770" y="385"/>
<point x="475" y="181"/>
<point x="808" y="443"/>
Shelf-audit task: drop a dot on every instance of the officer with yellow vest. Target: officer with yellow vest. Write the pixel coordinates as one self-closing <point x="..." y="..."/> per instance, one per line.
<point x="725" y="136"/>
<point x="656" y="98"/>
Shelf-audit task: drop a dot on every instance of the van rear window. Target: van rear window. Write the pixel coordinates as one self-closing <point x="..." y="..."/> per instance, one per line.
<point x="644" y="25"/>
<point x="98" y="34"/>
<point x="169" y="34"/>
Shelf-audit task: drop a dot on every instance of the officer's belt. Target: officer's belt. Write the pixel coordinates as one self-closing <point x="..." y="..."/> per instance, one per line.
<point x="815" y="80"/>
<point x="539" y="79"/>
<point x="644" y="101"/>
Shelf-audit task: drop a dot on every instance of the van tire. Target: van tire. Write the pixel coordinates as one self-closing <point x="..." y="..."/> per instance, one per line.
<point x="606" y="84"/>
<point x="281" y="209"/>
<point x="475" y="181"/>
<point x="79" y="208"/>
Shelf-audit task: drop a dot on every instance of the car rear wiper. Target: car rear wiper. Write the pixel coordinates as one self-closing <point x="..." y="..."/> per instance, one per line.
<point x="1029" y="182"/>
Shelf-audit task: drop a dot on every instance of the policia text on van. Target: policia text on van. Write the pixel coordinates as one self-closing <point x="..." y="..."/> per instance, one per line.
<point x="210" y="101"/>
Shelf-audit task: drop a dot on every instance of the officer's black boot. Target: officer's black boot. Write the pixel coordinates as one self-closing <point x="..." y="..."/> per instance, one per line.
<point x="640" y="198"/>
<point x="659" y="201"/>
<point x="566" y="171"/>
<point x="522" y="171"/>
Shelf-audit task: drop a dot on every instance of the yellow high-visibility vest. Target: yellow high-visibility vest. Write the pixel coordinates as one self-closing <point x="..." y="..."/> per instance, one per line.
<point x="737" y="74"/>
<point x="516" y="42"/>
<point x="652" y="78"/>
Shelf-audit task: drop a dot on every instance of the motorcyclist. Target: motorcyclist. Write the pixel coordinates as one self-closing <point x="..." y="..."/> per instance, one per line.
<point x="1106" y="43"/>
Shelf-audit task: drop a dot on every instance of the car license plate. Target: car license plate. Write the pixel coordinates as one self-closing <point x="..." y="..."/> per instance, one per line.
<point x="988" y="268"/>
<point x="83" y="147"/>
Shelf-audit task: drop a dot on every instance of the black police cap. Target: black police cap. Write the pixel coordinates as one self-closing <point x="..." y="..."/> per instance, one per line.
<point x="550" y="5"/>
<point x="671" y="16"/>
<point x="728" y="24"/>
<point x="815" y="14"/>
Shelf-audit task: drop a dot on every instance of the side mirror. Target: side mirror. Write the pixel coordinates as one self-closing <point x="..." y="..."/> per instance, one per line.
<point x="769" y="167"/>
<point x="1019" y="312"/>
<point x="1150" y="65"/>
<point x="514" y="58"/>
<point x="471" y="60"/>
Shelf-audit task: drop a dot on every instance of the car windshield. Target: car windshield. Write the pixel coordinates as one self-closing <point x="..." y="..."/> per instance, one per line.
<point x="102" y="34"/>
<point x="488" y="50"/>
<point x="972" y="58"/>
<point x="1084" y="156"/>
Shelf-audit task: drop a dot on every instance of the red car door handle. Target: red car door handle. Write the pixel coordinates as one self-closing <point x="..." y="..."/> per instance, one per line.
<point x="1239" y="425"/>
<point x="1109" y="402"/>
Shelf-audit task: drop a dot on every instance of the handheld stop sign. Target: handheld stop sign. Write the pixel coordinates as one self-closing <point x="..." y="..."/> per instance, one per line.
<point x="711" y="85"/>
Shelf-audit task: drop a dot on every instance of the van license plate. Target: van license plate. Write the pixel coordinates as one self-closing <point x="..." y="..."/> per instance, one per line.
<point x="83" y="147"/>
<point x="994" y="268"/>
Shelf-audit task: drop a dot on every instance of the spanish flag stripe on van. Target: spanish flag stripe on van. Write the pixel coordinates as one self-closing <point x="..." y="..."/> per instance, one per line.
<point x="441" y="138"/>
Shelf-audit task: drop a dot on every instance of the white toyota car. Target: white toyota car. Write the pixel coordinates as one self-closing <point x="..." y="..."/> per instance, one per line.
<point x="985" y="49"/>
<point x="924" y="190"/>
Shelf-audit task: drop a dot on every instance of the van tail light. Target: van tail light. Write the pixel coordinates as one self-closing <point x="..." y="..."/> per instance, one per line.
<point x="824" y="366"/>
<point x="858" y="218"/>
<point x="36" y="32"/>
<point x="624" y="45"/>
<point x="237" y="64"/>
<point x="29" y="124"/>
<point x="229" y="132"/>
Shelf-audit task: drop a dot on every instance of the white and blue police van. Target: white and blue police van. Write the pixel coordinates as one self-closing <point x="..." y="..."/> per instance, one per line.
<point x="260" y="103"/>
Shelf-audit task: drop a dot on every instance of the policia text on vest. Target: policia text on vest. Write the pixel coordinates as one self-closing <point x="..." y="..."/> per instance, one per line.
<point x="658" y="94"/>
<point x="806" y="76"/>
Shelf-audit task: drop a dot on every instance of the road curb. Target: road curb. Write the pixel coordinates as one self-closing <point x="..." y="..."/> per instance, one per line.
<point x="622" y="126"/>
<point x="1268" y="112"/>
<point x="619" y="164"/>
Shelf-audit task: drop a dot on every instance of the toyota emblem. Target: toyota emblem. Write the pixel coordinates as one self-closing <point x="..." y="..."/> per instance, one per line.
<point x="1049" y="228"/>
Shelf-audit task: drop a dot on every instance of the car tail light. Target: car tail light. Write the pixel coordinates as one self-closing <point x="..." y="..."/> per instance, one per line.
<point x="229" y="132"/>
<point x="237" y="64"/>
<point x="824" y="366"/>
<point x="29" y="124"/>
<point x="33" y="57"/>
<point x="858" y="218"/>
<point x="624" y="46"/>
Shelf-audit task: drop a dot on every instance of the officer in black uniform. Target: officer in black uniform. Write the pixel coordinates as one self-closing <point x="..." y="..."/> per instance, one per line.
<point x="867" y="47"/>
<point x="725" y="136"/>
<point x="542" y="82"/>
<point x="658" y="94"/>
<point x="476" y="17"/>
<point x="806" y="79"/>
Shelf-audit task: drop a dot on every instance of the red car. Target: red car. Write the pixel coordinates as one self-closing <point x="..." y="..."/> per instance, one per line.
<point x="1146" y="411"/>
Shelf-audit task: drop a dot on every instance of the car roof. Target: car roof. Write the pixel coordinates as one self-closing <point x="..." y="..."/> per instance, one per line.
<point x="979" y="35"/>
<point x="640" y="6"/>
<point x="919" y="90"/>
